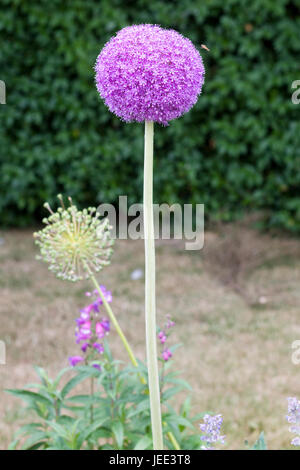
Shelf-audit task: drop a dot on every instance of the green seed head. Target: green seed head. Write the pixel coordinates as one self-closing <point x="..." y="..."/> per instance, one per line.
<point x="74" y="243"/>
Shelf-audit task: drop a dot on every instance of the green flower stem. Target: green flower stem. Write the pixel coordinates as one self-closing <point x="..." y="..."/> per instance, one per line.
<point x="173" y="440"/>
<point x="113" y="318"/>
<point x="153" y="379"/>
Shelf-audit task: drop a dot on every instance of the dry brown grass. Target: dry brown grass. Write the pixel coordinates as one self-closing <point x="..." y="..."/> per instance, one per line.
<point x="237" y="350"/>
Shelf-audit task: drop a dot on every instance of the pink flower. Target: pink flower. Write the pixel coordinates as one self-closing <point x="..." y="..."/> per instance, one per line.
<point x="162" y="337"/>
<point x="166" y="354"/>
<point x="75" y="360"/>
<point x="99" y="347"/>
<point x="100" y="331"/>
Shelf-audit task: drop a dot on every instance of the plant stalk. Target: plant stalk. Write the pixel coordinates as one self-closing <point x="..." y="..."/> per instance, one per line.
<point x="112" y="318"/>
<point x="153" y="377"/>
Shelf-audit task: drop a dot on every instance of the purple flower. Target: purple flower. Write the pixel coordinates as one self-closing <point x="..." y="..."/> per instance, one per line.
<point x="102" y="328"/>
<point x="106" y="325"/>
<point x="170" y="322"/>
<point x="293" y="417"/>
<point x="97" y="366"/>
<point x="98" y="348"/>
<point x="166" y="354"/>
<point x="146" y="72"/>
<point x="84" y="347"/>
<point x="100" y="331"/>
<point x="211" y="429"/>
<point x="106" y="293"/>
<point x="73" y="360"/>
<point x="162" y="337"/>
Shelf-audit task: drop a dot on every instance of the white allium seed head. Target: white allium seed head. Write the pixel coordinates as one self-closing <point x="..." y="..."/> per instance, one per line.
<point x="74" y="243"/>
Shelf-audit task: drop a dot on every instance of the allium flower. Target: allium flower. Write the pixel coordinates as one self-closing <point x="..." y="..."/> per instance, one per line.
<point x="149" y="73"/>
<point x="293" y="417"/>
<point x="212" y="431"/>
<point x="74" y="243"/>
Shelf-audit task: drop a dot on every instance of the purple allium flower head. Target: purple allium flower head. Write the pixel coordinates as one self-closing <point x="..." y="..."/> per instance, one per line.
<point x="293" y="417"/>
<point x="73" y="360"/>
<point x="212" y="430"/>
<point x="146" y="72"/>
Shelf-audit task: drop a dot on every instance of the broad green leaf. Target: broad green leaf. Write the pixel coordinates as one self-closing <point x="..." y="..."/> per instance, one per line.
<point x="118" y="432"/>
<point x="144" y="443"/>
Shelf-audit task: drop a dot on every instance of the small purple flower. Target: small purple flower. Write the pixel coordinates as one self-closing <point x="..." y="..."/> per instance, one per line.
<point x="100" y="331"/>
<point x="99" y="347"/>
<point x="102" y="328"/>
<point x="170" y="322"/>
<point x="106" y="293"/>
<point x="84" y="347"/>
<point x="293" y="417"/>
<point x="162" y="337"/>
<point x="166" y="354"/>
<point x="146" y="72"/>
<point x="97" y="366"/>
<point x="106" y="325"/>
<point x="74" y="360"/>
<point x="212" y="431"/>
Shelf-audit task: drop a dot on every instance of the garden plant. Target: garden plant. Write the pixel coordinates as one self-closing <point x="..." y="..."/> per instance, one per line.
<point x="150" y="75"/>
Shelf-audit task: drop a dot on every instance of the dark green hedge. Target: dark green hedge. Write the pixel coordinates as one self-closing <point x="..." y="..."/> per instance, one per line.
<point x="238" y="149"/>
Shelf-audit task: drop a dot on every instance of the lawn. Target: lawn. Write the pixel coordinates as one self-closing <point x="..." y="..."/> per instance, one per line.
<point x="236" y="308"/>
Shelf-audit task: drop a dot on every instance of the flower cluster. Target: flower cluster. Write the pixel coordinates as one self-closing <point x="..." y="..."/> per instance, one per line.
<point x="212" y="431"/>
<point x="162" y="336"/>
<point x="75" y="243"/>
<point x="293" y="417"/>
<point x="91" y="329"/>
<point x="146" y="72"/>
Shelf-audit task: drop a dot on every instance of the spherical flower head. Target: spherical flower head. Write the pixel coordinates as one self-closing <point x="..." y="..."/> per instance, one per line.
<point x="149" y="73"/>
<point x="76" y="244"/>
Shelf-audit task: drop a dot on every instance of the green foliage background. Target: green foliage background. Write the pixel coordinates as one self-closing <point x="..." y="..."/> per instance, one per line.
<point x="238" y="149"/>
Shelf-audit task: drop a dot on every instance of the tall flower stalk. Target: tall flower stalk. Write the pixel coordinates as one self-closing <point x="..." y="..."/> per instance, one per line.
<point x="149" y="74"/>
<point x="150" y="308"/>
<point x="113" y="320"/>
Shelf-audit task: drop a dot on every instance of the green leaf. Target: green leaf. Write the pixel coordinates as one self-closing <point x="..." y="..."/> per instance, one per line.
<point x="81" y="375"/>
<point x="260" y="444"/>
<point x="118" y="432"/>
<point x="35" y="439"/>
<point x="30" y="397"/>
<point x="144" y="443"/>
<point x="90" y="430"/>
